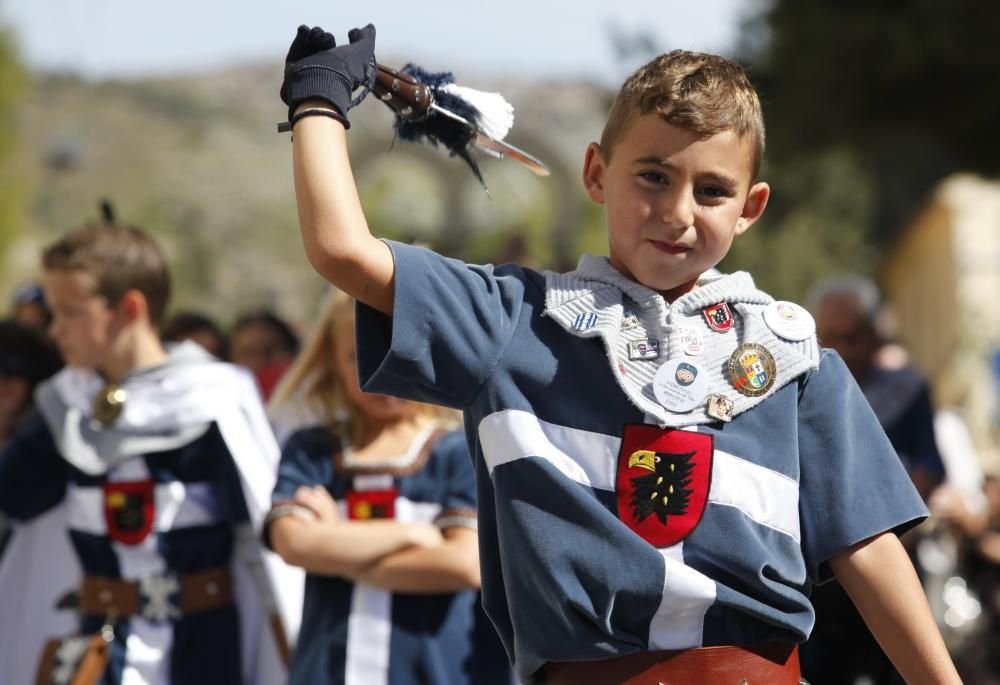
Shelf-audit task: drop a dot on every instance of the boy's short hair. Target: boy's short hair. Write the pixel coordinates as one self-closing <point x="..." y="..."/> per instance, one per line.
<point x="120" y="258"/>
<point x="700" y="92"/>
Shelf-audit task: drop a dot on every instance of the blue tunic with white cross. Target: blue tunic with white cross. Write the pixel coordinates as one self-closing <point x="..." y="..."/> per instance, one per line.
<point x="170" y="503"/>
<point x="355" y="634"/>
<point x="564" y="428"/>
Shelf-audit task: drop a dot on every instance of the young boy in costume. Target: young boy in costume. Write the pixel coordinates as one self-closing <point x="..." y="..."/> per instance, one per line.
<point x="163" y="462"/>
<point x="665" y="461"/>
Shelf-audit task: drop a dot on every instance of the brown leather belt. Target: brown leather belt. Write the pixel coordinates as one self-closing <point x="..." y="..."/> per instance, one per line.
<point x="180" y="595"/>
<point x="765" y="664"/>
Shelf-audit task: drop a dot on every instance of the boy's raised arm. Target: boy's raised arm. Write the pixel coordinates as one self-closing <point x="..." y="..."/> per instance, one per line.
<point x="319" y="76"/>
<point x="878" y="576"/>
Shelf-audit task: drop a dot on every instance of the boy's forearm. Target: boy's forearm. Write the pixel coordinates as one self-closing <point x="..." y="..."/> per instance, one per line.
<point x="881" y="581"/>
<point x="342" y="549"/>
<point x="452" y="567"/>
<point x="334" y="230"/>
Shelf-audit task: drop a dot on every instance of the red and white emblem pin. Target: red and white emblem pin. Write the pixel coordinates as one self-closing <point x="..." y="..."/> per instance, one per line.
<point x="129" y="510"/>
<point x="663" y="481"/>
<point x="719" y="317"/>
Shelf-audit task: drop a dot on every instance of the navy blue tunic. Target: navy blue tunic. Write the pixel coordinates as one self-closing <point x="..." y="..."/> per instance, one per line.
<point x="354" y="634"/>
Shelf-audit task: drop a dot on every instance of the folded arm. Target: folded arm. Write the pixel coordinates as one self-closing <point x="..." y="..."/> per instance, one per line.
<point x="878" y="576"/>
<point x="343" y="548"/>
<point x="450" y="567"/>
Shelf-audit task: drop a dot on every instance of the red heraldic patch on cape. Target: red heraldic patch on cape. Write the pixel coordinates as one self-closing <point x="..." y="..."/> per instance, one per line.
<point x="129" y="510"/>
<point x="663" y="479"/>
<point x="371" y="504"/>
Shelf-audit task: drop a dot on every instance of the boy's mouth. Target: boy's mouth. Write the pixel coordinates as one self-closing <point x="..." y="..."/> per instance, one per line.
<point x="669" y="247"/>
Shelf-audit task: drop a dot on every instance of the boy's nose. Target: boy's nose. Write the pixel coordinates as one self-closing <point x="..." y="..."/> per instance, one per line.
<point x="678" y="209"/>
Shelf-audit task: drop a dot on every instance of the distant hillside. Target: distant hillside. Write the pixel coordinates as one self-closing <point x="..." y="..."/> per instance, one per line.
<point x="196" y="160"/>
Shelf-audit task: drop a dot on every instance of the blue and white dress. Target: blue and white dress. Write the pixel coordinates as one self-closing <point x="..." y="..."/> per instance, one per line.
<point x="356" y="634"/>
<point x="555" y="375"/>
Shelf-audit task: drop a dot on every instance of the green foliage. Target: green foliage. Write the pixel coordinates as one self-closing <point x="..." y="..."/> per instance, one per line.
<point x="908" y="87"/>
<point x="816" y="225"/>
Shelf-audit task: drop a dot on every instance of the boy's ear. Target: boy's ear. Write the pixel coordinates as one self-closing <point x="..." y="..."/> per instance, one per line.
<point x="134" y="306"/>
<point x="753" y="207"/>
<point x="593" y="173"/>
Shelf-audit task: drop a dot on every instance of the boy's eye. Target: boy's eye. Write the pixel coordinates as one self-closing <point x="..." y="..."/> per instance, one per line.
<point x="653" y="176"/>
<point x="714" y="194"/>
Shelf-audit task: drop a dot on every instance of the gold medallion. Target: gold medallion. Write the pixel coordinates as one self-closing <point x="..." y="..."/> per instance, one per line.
<point x="752" y="369"/>
<point x="108" y="403"/>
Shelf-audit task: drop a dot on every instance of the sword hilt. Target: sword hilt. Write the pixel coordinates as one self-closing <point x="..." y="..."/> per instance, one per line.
<point x="405" y="95"/>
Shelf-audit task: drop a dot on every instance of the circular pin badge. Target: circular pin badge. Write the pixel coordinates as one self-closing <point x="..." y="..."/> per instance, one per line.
<point x="789" y="320"/>
<point x="108" y="403"/>
<point x="680" y="385"/>
<point x="752" y="369"/>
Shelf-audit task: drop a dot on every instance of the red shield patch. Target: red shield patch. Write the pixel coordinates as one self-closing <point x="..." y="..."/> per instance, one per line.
<point x="663" y="480"/>
<point x="719" y="317"/>
<point x="129" y="510"/>
<point x="371" y="504"/>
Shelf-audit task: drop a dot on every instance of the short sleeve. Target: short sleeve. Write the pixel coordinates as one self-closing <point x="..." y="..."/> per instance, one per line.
<point x="459" y="506"/>
<point x="305" y="460"/>
<point x="33" y="475"/>
<point x="450" y="325"/>
<point x="852" y="484"/>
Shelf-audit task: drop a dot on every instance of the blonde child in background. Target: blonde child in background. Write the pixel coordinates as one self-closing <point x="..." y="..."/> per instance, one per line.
<point x="376" y="501"/>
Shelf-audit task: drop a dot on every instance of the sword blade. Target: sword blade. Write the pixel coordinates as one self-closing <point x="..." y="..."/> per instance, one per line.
<point x="501" y="150"/>
<point x="496" y="148"/>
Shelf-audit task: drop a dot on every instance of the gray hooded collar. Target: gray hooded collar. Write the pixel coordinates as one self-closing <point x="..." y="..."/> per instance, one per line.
<point x="596" y="300"/>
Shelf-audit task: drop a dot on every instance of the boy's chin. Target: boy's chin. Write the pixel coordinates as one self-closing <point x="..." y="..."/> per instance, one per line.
<point x="676" y="284"/>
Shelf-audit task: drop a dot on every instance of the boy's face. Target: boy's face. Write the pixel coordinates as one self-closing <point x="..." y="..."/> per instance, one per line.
<point x="674" y="200"/>
<point x="83" y="325"/>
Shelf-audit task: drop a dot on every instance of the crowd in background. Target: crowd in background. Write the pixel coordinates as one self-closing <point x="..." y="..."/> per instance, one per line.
<point x="956" y="552"/>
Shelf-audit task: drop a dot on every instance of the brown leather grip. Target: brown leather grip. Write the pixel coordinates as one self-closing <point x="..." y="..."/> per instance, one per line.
<point x="406" y="96"/>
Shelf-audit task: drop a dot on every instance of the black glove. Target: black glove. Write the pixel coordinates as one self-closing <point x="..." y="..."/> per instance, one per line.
<point x="316" y="69"/>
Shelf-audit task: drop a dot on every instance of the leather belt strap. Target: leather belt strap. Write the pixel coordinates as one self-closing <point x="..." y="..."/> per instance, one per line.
<point x="765" y="664"/>
<point x="200" y="591"/>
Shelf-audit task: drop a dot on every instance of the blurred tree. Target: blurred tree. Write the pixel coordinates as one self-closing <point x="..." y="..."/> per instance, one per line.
<point x="909" y="88"/>
<point x="12" y="82"/>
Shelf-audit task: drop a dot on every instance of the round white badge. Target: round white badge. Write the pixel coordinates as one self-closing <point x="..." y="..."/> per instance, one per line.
<point x="680" y="385"/>
<point x="789" y="320"/>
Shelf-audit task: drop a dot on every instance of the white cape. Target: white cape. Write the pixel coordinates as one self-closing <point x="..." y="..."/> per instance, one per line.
<point x="167" y="406"/>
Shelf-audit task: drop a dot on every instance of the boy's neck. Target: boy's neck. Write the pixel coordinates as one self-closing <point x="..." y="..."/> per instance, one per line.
<point x="683" y="289"/>
<point x="136" y="349"/>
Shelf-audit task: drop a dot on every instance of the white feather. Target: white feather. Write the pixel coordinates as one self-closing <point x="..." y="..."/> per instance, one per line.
<point x="496" y="115"/>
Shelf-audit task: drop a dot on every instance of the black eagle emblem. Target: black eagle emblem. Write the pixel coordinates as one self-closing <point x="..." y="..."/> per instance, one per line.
<point x="663" y="492"/>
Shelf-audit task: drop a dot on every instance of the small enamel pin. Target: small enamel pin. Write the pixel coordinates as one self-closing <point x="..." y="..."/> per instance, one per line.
<point x="645" y="349"/>
<point x="585" y="320"/>
<point x="719" y="317"/>
<point x="720" y="408"/>
<point x="629" y="320"/>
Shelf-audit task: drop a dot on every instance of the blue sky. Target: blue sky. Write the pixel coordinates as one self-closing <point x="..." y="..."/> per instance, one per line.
<point x="123" y="38"/>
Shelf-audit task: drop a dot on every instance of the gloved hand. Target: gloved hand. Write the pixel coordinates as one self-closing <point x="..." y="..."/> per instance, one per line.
<point x="316" y="69"/>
